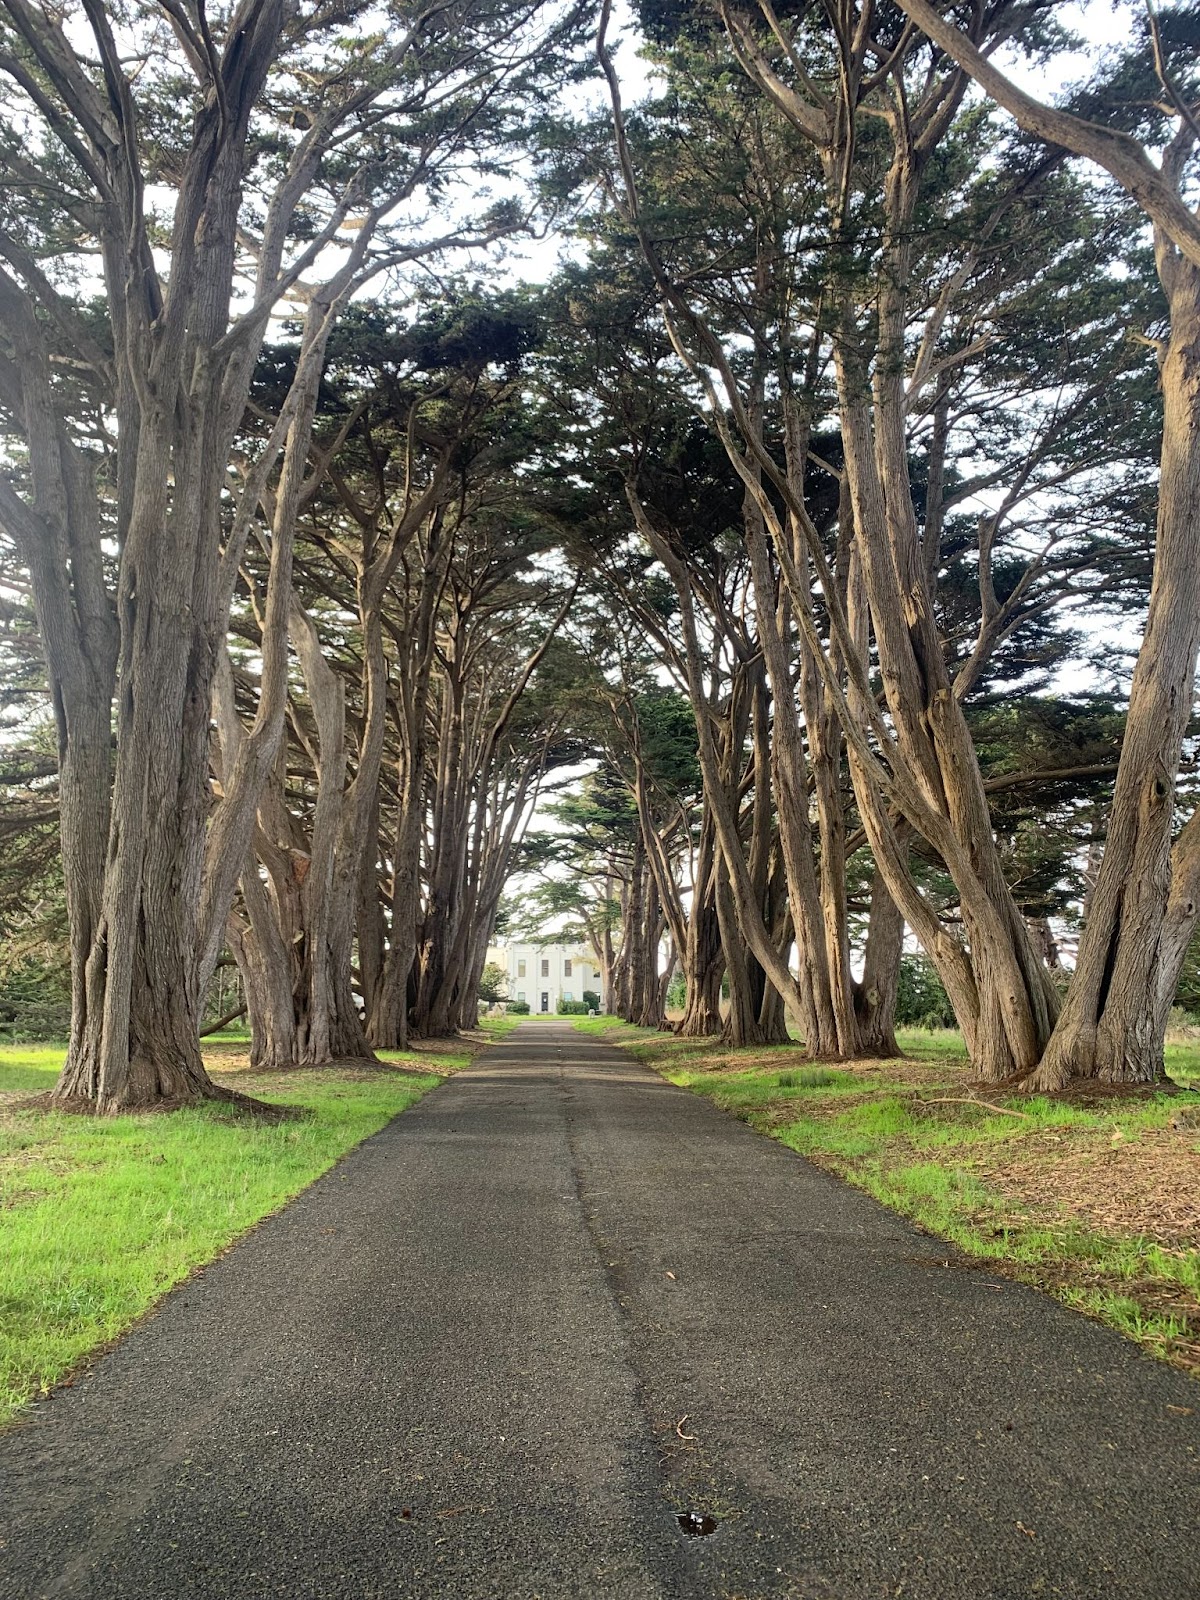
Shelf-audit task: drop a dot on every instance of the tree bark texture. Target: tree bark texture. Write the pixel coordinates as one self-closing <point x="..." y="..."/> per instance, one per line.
<point x="1143" y="906"/>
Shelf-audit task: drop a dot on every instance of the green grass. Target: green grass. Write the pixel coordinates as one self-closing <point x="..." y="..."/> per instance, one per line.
<point x="1183" y="1062"/>
<point x="539" y="1016"/>
<point x="501" y="1027"/>
<point x="891" y="1129"/>
<point x="29" y="1068"/>
<point x="601" y="1024"/>
<point x="99" y="1217"/>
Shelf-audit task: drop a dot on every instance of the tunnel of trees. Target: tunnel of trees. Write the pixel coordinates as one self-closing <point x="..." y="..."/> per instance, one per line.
<point x="815" y="545"/>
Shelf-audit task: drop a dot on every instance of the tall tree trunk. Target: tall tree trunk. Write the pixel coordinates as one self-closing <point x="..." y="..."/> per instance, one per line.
<point x="772" y="1013"/>
<point x="370" y="933"/>
<point x="875" y="996"/>
<point x="717" y="781"/>
<point x="789" y="782"/>
<point x="137" y="1040"/>
<point x="703" y="955"/>
<point x="1015" y="1003"/>
<point x="387" y="1026"/>
<point x="629" y="955"/>
<point x="1112" y="1022"/>
<point x="741" y="1024"/>
<point x="649" y="998"/>
<point x="265" y="955"/>
<point x="606" y="955"/>
<point x="134" y="1036"/>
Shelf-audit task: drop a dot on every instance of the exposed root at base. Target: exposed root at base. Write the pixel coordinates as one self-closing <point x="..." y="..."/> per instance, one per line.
<point x="1096" y="1091"/>
<point x="78" y="1105"/>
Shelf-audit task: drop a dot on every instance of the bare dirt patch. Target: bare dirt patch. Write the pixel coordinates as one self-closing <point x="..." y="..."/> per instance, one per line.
<point x="452" y="1044"/>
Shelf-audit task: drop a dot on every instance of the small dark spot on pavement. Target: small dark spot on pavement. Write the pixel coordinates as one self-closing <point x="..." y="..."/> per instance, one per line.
<point x="696" y="1524"/>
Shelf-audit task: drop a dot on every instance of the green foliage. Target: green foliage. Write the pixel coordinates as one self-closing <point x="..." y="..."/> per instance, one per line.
<point x="572" y="1008"/>
<point x="34" y="942"/>
<point x="1049" y="761"/>
<point x="35" y="1001"/>
<point x="518" y="1008"/>
<point x="1187" y="995"/>
<point x="493" y="983"/>
<point x="462" y="329"/>
<point x="921" y="1000"/>
<point x="591" y="1000"/>
<point x="665" y="731"/>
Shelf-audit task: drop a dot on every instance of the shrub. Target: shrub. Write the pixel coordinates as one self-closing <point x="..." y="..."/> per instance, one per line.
<point x="591" y="1000"/>
<point x="518" y="1008"/>
<point x="572" y="1008"/>
<point x="1187" y="995"/>
<point x="1184" y="1024"/>
<point x="492" y="982"/>
<point x="921" y="1001"/>
<point x="35" y="1002"/>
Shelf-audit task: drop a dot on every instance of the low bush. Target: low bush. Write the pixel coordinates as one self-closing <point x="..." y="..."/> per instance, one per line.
<point x="35" y="1002"/>
<point x="1183" y="1024"/>
<point x="921" y="1001"/>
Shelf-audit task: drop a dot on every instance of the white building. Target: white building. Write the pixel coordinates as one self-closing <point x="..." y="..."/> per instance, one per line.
<point x="544" y="974"/>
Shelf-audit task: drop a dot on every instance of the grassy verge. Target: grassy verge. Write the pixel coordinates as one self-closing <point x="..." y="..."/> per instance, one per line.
<point x="1097" y="1201"/>
<point x="604" y="1024"/>
<point x="99" y="1218"/>
<point x="500" y="1027"/>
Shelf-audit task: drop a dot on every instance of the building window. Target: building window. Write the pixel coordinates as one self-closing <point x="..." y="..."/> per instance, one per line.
<point x="545" y="967"/>
<point x="567" y="970"/>
<point x="567" y="995"/>
<point x="520" y="969"/>
<point x="520" y="994"/>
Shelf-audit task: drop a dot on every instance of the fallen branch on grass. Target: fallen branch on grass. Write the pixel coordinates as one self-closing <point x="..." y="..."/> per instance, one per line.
<point x="970" y="1100"/>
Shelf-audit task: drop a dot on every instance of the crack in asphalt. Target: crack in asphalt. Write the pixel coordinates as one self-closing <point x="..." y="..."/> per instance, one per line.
<point x="658" y="1448"/>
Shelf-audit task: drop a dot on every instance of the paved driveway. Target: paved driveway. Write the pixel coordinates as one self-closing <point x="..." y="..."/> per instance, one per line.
<point x="509" y="1340"/>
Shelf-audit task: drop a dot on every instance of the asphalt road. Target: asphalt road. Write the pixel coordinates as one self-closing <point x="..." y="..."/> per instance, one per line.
<point x="511" y="1338"/>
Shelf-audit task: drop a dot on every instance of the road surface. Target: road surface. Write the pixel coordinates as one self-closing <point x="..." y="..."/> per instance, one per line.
<point x="511" y="1340"/>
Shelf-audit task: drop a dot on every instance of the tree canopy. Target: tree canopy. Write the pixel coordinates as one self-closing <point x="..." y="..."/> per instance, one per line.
<point x="802" y="571"/>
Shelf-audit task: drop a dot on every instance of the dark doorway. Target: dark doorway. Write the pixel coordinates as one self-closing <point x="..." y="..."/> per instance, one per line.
<point x="545" y="1001"/>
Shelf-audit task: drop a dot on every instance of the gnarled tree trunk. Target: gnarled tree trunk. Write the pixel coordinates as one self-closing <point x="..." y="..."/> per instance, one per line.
<point x="703" y="960"/>
<point x="1143" y="907"/>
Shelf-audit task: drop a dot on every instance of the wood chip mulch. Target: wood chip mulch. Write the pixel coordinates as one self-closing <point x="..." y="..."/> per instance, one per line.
<point x="1147" y="1183"/>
